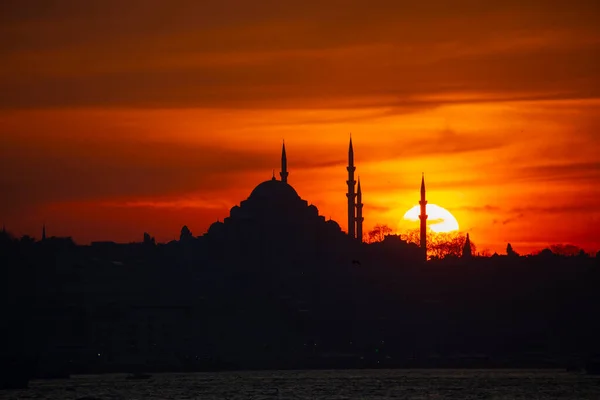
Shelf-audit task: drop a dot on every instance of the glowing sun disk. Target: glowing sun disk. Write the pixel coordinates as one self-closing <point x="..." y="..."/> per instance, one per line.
<point x="439" y="220"/>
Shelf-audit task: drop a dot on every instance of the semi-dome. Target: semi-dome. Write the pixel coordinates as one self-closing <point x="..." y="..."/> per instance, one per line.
<point x="275" y="190"/>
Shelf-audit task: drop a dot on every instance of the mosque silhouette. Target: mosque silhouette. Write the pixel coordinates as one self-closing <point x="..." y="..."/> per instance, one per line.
<point x="274" y="209"/>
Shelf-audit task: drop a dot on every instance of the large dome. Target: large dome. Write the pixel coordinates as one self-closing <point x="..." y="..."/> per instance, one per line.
<point x="274" y="190"/>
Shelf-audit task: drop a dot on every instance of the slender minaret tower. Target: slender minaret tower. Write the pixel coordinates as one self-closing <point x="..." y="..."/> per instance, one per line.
<point x="44" y="231"/>
<point x="351" y="195"/>
<point x="359" y="217"/>
<point x="284" y="173"/>
<point x="423" y="218"/>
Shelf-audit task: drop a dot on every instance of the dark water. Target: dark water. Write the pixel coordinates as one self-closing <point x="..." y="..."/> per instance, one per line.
<point x="353" y="384"/>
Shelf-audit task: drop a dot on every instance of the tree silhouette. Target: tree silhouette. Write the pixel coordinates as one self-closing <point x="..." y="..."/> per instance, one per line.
<point x="442" y="244"/>
<point x="546" y="253"/>
<point x="485" y="253"/>
<point x="186" y="234"/>
<point x="148" y="239"/>
<point x="26" y="239"/>
<point x="565" y="249"/>
<point x="378" y="233"/>
<point x="510" y="252"/>
<point x="467" y="251"/>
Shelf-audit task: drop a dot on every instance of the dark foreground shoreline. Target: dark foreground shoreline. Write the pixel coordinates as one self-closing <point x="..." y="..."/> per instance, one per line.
<point x="382" y="384"/>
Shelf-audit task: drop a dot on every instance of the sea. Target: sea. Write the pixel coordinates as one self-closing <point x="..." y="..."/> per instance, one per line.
<point x="333" y="384"/>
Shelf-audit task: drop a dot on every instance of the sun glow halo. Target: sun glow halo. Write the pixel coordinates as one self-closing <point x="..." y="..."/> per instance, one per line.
<point x="439" y="219"/>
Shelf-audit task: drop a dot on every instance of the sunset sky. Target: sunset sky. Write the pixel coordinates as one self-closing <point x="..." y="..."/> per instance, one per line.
<point x="124" y="117"/>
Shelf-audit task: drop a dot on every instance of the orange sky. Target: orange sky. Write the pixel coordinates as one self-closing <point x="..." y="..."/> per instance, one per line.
<point x="119" y="118"/>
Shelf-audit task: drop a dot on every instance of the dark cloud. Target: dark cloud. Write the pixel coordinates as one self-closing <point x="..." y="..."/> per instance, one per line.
<point x="573" y="172"/>
<point x="487" y="208"/>
<point x="375" y="207"/>
<point x="557" y="209"/>
<point x="127" y="169"/>
<point x="445" y="142"/>
<point x="507" y="221"/>
<point x="290" y="54"/>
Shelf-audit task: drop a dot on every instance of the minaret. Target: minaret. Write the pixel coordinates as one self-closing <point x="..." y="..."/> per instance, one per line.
<point x="423" y="218"/>
<point x="284" y="174"/>
<point x="359" y="217"/>
<point x="44" y="231"/>
<point x="351" y="195"/>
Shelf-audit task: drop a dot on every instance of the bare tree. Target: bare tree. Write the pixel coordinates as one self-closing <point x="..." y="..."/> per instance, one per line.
<point x="485" y="253"/>
<point x="378" y="233"/>
<point x="566" y="249"/>
<point x="440" y="245"/>
<point x="510" y="252"/>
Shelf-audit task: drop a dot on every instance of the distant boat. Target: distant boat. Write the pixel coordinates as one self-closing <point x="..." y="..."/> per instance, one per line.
<point x="139" y="376"/>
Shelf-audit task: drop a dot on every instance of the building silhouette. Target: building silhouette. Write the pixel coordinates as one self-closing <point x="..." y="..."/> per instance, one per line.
<point x="274" y="224"/>
<point x="274" y="207"/>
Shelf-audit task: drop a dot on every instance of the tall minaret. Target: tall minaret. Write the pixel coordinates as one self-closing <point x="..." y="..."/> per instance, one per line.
<point x="44" y="231"/>
<point x="359" y="217"/>
<point x="284" y="174"/>
<point x="423" y="218"/>
<point x="351" y="195"/>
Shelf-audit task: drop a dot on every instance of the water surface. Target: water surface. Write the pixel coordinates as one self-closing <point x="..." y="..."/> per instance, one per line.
<point x="339" y="384"/>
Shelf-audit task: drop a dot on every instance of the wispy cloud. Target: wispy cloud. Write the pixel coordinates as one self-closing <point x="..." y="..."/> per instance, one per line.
<point x="487" y="208"/>
<point x="169" y="204"/>
<point x="574" y="171"/>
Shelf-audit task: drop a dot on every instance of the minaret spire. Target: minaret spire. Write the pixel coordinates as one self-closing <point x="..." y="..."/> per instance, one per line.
<point x="351" y="195"/>
<point x="423" y="218"/>
<point x="359" y="217"/>
<point x="284" y="173"/>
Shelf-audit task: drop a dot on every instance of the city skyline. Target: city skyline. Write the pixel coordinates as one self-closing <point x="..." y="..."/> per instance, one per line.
<point x="444" y="220"/>
<point x="172" y="115"/>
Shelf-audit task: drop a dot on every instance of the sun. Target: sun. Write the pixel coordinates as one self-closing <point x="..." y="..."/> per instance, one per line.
<point x="439" y="220"/>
